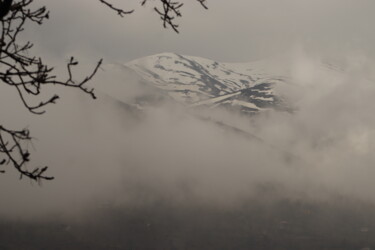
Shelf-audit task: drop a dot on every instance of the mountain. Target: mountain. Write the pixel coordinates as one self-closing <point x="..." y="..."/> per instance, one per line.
<point x="199" y="82"/>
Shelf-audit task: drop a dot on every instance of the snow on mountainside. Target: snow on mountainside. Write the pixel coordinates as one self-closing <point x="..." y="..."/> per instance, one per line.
<point x="197" y="82"/>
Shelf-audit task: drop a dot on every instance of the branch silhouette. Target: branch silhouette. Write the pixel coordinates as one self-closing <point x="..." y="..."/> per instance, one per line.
<point x="28" y="75"/>
<point x="168" y="11"/>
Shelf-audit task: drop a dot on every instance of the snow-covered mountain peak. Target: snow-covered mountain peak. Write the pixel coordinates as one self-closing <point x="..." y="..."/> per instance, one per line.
<point x="197" y="81"/>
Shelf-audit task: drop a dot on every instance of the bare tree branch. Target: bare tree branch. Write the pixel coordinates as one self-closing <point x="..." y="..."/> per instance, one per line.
<point x="119" y="11"/>
<point x="5" y="8"/>
<point x="168" y="11"/>
<point x="12" y="147"/>
<point x="28" y="75"/>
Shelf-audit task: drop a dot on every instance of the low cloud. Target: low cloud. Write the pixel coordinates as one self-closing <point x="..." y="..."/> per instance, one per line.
<point x="105" y="152"/>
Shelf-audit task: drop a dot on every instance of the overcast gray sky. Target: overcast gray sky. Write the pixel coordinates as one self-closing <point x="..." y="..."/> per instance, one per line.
<point x="236" y="30"/>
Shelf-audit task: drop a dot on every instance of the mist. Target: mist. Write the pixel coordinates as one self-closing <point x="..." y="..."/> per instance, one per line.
<point x="168" y="176"/>
<point x="108" y="156"/>
<point x="106" y="152"/>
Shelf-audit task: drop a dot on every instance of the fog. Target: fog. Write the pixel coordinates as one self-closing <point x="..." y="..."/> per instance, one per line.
<point x="99" y="151"/>
<point x="167" y="158"/>
<point x="189" y="168"/>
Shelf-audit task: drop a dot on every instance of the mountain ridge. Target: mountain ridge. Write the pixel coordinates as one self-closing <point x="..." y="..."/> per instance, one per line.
<point x="197" y="81"/>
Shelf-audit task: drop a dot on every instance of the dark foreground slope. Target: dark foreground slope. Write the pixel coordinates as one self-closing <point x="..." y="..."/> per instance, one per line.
<point x="254" y="224"/>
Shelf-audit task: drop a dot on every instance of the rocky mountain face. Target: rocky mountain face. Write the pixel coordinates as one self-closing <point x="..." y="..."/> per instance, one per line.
<point x="199" y="82"/>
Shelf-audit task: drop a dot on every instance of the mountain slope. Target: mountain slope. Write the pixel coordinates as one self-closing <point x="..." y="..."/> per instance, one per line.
<point x="198" y="81"/>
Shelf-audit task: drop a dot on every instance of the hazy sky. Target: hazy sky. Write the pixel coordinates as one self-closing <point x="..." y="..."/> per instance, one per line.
<point x="237" y="30"/>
